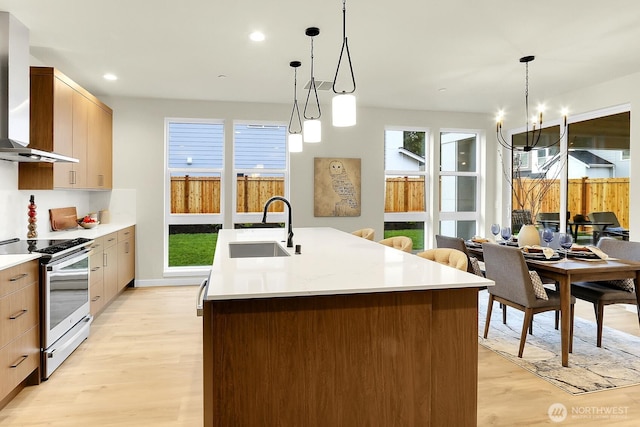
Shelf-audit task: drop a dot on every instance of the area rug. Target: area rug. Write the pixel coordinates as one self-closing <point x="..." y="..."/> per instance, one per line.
<point x="591" y="369"/>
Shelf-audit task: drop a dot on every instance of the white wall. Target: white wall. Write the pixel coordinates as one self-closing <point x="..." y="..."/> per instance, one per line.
<point x="139" y="160"/>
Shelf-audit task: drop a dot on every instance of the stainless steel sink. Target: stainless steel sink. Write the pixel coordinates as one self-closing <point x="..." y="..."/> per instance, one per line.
<point x="256" y="249"/>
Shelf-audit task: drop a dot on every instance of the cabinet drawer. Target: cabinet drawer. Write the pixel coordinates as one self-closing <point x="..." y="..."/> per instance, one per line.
<point x="98" y="244"/>
<point x="110" y="239"/>
<point x="95" y="266"/>
<point x="96" y="296"/>
<point x="18" y="359"/>
<point x="14" y="278"/>
<point x="126" y="233"/>
<point x="18" y="312"/>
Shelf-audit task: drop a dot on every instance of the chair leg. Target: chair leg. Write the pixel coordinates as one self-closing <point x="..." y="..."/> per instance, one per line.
<point x="599" y="321"/>
<point x="557" y="319"/>
<point x="504" y="314"/>
<point x="486" y="323"/>
<point x="528" y="318"/>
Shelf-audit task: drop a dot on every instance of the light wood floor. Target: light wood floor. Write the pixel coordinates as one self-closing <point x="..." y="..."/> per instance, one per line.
<point x="142" y="366"/>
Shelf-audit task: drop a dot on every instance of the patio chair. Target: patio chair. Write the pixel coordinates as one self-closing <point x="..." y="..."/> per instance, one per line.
<point x="520" y="217"/>
<point x="607" y="293"/>
<point x="606" y="230"/>
<point x="515" y="287"/>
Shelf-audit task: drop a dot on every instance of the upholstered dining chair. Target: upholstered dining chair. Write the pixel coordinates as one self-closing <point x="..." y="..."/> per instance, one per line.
<point x="607" y="293"/>
<point x="447" y="256"/>
<point x="458" y="243"/>
<point x="403" y="243"/>
<point x="365" y="233"/>
<point x="516" y="287"/>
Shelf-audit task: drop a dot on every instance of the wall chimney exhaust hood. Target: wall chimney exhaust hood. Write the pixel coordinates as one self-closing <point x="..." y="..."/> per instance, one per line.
<point x="14" y="96"/>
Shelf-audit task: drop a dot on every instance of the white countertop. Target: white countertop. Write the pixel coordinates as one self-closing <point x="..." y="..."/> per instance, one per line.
<point x="7" y="261"/>
<point x="332" y="262"/>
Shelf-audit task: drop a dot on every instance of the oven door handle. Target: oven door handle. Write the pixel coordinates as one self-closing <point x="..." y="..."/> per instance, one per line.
<point x="68" y="260"/>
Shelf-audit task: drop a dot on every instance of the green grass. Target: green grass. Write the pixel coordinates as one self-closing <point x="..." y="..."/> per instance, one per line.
<point x="416" y="235"/>
<point x="192" y="249"/>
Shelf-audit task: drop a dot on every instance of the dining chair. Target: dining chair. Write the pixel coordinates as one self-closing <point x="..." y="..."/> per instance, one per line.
<point x="365" y="233"/>
<point x="516" y="287"/>
<point x="403" y="243"/>
<point x="601" y="294"/>
<point x="458" y="243"/>
<point x="446" y="256"/>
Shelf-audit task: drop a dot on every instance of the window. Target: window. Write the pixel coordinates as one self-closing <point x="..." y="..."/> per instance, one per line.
<point x="260" y="166"/>
<point x="406" y="184"/>
<point x="459" y="177"/>
<point x="194" y="191"/>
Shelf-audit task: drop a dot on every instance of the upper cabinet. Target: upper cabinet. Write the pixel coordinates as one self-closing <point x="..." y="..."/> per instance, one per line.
<point x="67" y="119"/>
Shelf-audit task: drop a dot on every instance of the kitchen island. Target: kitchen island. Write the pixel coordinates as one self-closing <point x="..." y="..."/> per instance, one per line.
<point x="348" y="332"/>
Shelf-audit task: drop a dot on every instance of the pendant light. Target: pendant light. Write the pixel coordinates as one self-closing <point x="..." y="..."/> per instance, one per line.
<point x="312" y="129"/>
<point x="344" y="103"/>
<point x="295" y="137"/>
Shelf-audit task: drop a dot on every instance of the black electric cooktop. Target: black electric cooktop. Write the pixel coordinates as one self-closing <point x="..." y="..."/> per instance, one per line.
<point x="43" y="246"/>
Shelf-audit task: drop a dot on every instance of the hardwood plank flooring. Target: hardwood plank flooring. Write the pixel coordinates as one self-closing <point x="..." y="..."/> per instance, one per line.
<point x="142" y="366"/>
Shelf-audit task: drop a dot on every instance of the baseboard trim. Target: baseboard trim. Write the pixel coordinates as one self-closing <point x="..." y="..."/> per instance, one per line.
<point x="172" y="281"/>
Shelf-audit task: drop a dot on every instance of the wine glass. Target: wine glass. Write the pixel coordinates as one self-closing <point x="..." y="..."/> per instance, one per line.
<point x="506" y="234"/>
<point x="566" y="241"/>
<point x="495" y="230"/>
<point x="547" y="235"/>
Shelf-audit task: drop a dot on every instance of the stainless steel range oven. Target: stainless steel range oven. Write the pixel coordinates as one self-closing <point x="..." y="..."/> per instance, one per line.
<point x="65" y="306"/>
<point x="64" y="295"/>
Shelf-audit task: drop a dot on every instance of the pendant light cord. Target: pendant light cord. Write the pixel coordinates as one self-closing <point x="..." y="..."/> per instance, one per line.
<point x="295" y="101"/>
<point x="312" y="86"/>
<point x="345" y="47"/>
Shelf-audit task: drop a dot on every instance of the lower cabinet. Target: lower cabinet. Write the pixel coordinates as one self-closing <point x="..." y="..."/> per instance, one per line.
<point x="19" y="329"/>
<point x="112" y="266"/>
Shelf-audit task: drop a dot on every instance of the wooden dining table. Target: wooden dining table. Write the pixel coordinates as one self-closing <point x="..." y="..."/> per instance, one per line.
<point x="572" y="270"/>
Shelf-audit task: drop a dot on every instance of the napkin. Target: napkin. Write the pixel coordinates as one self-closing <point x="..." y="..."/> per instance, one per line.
<point x="598" y="252"/>
<point x="548" y="252"/>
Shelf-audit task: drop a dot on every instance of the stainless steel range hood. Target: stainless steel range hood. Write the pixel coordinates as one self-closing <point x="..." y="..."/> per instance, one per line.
<point x="14" y="96"/>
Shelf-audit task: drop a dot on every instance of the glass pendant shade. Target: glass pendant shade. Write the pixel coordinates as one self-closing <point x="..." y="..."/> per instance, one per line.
<point x="344" y="110"/>
<point x="295" y="142"/>
<point x="312" y="130"/>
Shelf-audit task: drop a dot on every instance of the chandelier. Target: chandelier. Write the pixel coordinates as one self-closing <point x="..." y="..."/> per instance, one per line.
<point x="533" y="127"/>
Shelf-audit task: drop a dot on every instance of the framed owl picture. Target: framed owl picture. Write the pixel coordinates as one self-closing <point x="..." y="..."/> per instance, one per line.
<point x="336" y="189"/>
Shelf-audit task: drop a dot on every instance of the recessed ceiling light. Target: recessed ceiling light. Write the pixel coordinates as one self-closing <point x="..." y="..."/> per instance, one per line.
<point x="110" y="76"/>
<point x="442" y="89"/>
<point x="257" y="36"/>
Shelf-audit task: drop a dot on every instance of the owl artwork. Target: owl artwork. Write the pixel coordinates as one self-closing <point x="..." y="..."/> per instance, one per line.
<point x="343" y="187"/>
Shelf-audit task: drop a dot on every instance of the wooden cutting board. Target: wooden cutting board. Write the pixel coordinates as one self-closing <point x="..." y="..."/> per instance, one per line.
<point x="63" y="218"/>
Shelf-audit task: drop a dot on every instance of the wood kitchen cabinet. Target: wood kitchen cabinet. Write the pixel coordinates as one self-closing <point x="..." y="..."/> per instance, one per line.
<point x="110" y="266"/>
<point x="67" y="119"/>
<point x="96" y="277"/>
<point x="126" y="256"/>
<point x="19" y="329"/>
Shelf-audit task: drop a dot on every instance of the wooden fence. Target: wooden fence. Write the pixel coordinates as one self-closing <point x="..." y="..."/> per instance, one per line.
<point x="587" y="195"/>
<point x="403" y="194"/>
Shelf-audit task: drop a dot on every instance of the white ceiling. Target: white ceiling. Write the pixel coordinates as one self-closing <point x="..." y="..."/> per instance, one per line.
<point x="405" y="53"/>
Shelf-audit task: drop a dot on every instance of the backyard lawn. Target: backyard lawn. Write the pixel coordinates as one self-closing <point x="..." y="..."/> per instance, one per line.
<point x="191" y="249"/>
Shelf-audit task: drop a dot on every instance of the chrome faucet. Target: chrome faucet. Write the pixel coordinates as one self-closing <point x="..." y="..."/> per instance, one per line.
<point x="290" y="227"/>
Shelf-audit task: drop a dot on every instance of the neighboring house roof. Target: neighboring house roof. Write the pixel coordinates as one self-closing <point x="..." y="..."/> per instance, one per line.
<point x="590" y="159"/>
<point x="408" y="153"/>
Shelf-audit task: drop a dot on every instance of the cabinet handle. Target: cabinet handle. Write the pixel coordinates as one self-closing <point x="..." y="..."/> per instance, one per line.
<point x="18" y="277"/>
<point x="126" y="247"/>
<point x="111" y="240"/>
<point x="200" y="298"/>
<point x="126" y="233"/>
<point x="96" y="299"/>
<point x="104" y="260"/>
<point x="95" y="269"/>
<point x="22" y="359"/>
<point x="95" y="246"/>
<point x="18" y="314"/>
<point x="101" y="180"/>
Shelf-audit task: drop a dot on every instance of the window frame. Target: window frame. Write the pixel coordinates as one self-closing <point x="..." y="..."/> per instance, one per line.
<point x="182" y="218"/>
<point x="256" y="217"/>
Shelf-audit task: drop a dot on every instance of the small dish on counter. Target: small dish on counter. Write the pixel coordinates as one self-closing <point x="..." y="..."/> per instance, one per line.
<point x="88" y="225"/>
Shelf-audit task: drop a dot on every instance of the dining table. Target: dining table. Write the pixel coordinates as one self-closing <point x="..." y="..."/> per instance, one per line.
<point x="567" y="270"/>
